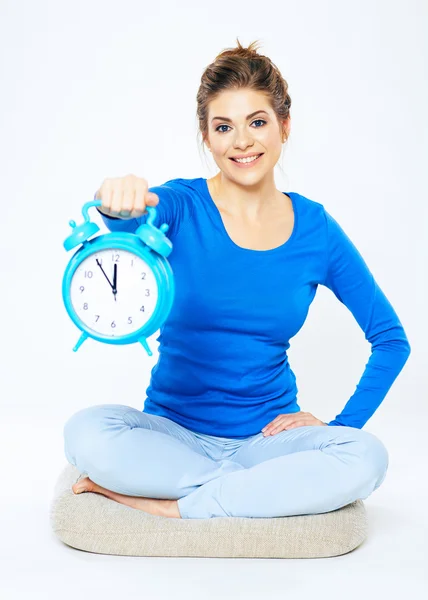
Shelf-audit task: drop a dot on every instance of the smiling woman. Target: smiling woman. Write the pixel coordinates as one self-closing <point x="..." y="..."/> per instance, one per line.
<point x="221" y="432"/>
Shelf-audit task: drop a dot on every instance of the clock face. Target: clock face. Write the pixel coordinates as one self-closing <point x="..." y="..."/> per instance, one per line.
<point x="114" y="292"/>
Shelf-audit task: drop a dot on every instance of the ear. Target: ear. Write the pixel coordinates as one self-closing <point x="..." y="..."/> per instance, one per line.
<point x="204" y="139"/>
<point x="286" y="125"/>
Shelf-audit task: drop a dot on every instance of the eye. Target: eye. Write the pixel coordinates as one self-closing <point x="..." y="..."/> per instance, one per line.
<point x="221" y="126"/>
<point x="256" y="121"/>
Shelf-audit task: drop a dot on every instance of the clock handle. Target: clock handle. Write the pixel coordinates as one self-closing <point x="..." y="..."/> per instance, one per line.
<point x="150" y="209"/>
<point x="87" y="206"/>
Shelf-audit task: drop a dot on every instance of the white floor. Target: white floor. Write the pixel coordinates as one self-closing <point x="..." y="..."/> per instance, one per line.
<point x="391" y="563"/>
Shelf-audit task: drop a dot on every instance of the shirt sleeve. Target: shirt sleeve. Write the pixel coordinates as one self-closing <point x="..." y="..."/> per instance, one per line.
<point x="173" y="208"/>
<point x="349" y="278"/>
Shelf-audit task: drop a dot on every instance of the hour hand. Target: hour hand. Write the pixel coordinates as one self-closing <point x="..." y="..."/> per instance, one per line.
<point x="99" y="264"/>
<point x="115" y="280"/>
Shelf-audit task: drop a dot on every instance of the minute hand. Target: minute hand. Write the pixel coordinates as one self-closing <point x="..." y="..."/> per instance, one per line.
<point x="99" y="264"/>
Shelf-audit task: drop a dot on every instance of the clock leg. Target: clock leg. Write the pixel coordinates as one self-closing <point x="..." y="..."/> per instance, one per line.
<point x="80" y="341"/>
<point x="144" y="343"/>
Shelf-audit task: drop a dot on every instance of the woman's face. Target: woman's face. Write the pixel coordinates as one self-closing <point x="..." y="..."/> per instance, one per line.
<point x="239" y="134"/>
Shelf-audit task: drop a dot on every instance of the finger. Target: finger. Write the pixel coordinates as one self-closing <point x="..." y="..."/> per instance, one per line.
<point x="277" y="419"/>
<point x="127" y="197"/>
<point x="296" y="424"/>
<point x="269" y="427"/>
<point x="275" y="429"/>
<point x="116" y="200"/>
<point x="140" y="190"/>
<point x="290" y="424"/>
<point x="105" y="195"/>
<point x="283" y="419"/>
<point x="280" y="420"/>
<point x="152" y="199"/>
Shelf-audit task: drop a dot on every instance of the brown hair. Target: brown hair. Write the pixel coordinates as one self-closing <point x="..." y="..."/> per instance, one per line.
<point x="240" y="67"/>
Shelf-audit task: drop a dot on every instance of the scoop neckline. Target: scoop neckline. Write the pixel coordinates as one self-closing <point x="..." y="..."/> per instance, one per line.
<point x="283" y="246"/>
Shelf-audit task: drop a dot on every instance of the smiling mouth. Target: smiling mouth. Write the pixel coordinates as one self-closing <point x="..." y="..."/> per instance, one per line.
<point x="253" y="158"/>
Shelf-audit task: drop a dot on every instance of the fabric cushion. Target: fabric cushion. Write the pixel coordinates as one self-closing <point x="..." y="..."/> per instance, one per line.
<point x="94" y="523"/>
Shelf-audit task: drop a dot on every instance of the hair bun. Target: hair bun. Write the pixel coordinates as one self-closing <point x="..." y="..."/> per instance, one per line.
<point x="240" y="51"/>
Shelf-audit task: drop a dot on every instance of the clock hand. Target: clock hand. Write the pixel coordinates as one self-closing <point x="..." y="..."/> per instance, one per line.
<point x="115" y="281"/>
<point x="99" y="264"/>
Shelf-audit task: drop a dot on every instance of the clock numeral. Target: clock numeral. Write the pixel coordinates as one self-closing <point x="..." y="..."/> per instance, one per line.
<point x="130" y="320"/>
<point x="85" y="306"/>
<point x="82" y="288"/>
<point x="113" y="324"/>
<point x="132" y="262"/>
<point x="88" y="274"/>
<point x="115" y="257"/>
<point x="143" y="275"/>
<point x="97" y="317"/>
<point x="142" y="309"/>
<point x="147" y="292"/>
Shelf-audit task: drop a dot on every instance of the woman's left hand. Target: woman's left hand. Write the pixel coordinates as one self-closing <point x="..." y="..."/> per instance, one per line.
<point x="289" y="421"/>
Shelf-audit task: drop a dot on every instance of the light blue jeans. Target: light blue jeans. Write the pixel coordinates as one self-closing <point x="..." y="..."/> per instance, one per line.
<point x="304" y="470"/>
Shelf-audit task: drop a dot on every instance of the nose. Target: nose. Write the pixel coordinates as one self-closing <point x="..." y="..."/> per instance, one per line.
<point x="242" y="140"/>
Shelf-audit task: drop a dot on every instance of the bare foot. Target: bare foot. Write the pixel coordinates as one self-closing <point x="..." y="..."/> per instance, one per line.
<point x="154" y="506"/>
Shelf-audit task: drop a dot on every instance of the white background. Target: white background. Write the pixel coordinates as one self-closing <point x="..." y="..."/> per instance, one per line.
<point x="95" y="89"/>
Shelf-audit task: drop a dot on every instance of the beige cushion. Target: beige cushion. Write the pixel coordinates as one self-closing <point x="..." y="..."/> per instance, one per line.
<point x="94" y="523"/>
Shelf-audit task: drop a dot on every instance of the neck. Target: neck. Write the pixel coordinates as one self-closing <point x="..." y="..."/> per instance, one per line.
<point x="247" y="202"/>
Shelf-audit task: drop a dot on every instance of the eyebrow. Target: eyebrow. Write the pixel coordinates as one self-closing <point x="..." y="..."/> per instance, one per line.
<point x="248" y="117"/>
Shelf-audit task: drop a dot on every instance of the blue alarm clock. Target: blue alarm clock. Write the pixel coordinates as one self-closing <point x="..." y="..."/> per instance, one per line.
<point x="118" y="288"/>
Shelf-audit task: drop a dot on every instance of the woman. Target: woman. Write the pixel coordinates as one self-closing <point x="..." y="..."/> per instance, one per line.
<point x="221" y="432"/>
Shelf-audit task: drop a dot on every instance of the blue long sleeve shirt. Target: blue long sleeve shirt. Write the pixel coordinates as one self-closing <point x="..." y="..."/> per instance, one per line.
<point x="223" y="367"/>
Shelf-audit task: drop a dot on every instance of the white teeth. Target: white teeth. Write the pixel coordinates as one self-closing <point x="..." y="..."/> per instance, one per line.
<point x="247" y="160"/>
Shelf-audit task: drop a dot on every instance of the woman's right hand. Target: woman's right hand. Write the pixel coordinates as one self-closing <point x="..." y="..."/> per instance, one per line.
<point x="125" y="197"/>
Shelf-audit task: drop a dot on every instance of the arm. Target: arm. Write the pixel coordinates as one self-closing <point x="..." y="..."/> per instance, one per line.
<point x="350" y="279"/>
